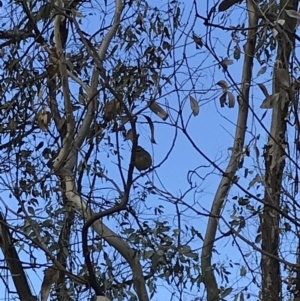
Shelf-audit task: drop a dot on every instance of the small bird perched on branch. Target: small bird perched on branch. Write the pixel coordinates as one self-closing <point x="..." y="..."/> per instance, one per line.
<point x="143" y="159"/>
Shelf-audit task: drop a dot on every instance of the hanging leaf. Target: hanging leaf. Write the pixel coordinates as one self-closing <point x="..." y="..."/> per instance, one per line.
<point x="237" y="52"/>
<point x="158" y="110"/>
<point x="223" y="84"/>
<point x="223" y="99"/>
<point x="231" y="100"/>
<point x="198" y="41"/>
<point x="261" y="39"/>
<point x="194" y="106"/>
<point x="269" y="101"/>
<point x="151" y="125"/>
<point x="43" y="120"/>
<point x="226" y="292"/>
<point x="262" y="71"/>
<point x="226" y="62"/>
<point x="264" y="89"/>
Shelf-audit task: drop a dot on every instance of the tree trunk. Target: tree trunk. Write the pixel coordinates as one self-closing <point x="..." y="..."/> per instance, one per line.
<point x="275" y="162"/>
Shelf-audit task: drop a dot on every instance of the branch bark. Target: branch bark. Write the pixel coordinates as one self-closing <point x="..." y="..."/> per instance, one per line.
<point x="274" y="163"/>
<point x="226" y="183"/>
<point x="14" y="264"/>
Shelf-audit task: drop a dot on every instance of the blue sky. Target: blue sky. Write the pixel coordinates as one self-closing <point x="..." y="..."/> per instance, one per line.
<point x="212" y="131"/>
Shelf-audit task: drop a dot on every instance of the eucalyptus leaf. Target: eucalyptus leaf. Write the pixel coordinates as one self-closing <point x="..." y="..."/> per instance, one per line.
<point x="151" y="125"/>
<point x="231" y="100"/>
<point x="223" y="84"/>
<point x="194" y="106"/>
<point x="158" y="110"/>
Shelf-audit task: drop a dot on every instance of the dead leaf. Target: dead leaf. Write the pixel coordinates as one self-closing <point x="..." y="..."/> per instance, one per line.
<point x="43" y="120"/>
<point x="226" y="62"/>
<point x="158" y="110"/>
<point x="194" y="106"/>
<point x="263" y="89"/>
<point x="262" y="71"/>
<point x="223" y="84"/>
<point x="231" y="100"/>
<point x="151" y="125"/>
<point x="198" y="41"/>
<point x="223" y="99"/>
<point x="237" y="52"/>
<point x="269" y="101"/>
<point x="50" y="276"/>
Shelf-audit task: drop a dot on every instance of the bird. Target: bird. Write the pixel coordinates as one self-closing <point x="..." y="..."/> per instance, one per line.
<point x="143" y="159"/>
